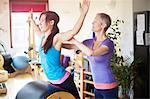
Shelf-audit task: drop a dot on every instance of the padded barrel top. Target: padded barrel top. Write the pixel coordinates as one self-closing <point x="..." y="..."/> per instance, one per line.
<point x="37" y="90"/>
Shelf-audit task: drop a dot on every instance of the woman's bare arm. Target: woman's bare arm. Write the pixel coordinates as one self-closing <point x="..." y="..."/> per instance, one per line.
<point x="71" y="33"/>
<point x="91" y="52"/>
<point x="35" y="26"/>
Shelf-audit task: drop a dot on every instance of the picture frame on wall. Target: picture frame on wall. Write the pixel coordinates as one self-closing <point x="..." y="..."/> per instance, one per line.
<point x="140" y="29"/>
<point x="147" y="39"/>
<point x="139" y="38"/>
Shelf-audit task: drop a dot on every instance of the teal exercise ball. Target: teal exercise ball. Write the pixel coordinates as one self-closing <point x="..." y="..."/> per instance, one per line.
<point x="20" y="62"/>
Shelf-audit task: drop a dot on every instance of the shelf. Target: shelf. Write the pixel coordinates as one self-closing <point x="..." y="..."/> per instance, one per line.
<point x="88" y="93"/>
<point x="89" y="73"/>
<point x="80" y="78"/>
<point x="75" y="71"/>
<point x="87" y="81"/>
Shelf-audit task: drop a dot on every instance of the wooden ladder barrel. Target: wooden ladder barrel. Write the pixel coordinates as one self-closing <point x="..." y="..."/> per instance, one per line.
<point x="43" y="90"/>
<point x="61" y="95"/>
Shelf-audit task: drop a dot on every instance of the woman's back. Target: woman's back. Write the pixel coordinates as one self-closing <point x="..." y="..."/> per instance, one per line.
<point x="51" y="63"/>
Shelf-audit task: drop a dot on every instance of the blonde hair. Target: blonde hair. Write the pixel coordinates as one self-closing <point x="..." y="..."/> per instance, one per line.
<point x="106" y="18"/>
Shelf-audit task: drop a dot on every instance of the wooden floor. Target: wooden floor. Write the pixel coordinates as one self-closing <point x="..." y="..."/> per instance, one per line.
<point x="15" y="84"/>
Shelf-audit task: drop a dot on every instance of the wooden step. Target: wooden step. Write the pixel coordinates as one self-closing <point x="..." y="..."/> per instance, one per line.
<point x="88" y="93"/>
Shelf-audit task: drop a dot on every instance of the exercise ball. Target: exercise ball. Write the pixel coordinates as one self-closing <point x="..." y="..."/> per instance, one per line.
<point x="20" y="62"/>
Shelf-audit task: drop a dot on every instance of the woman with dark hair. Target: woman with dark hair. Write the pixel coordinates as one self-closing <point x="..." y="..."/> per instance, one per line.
<point x="99" y="51"/>
<point x="51" y="45"/>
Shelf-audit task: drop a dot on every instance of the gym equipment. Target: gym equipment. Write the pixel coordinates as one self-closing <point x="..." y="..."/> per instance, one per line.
<point x="14" y="66"/>
<point x="7" y="63"/>
<point x="31" y="38"/>
<point x="37" y="71"/>
<point x="3" y="75"/>
<point x="61" y="59"/>
<point x="61" y="95"/>
<point x="42" y="90"/>
<point x="20" y="62"/>
<point x="3" y="89"/>
<point x="1" y="62"/>
<point x="5" y="59"/>
<point x="66" y="61"/>
<point x="83" y="77"/>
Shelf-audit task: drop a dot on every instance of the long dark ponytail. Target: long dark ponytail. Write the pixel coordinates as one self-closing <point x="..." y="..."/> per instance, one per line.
<point x="50" y="15"/>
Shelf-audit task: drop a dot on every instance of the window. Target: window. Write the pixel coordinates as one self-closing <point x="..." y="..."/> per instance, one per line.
<point x="20" y="26"/>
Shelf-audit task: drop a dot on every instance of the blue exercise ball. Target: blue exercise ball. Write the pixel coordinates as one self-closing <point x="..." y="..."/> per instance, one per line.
<point x="20" y="62"/>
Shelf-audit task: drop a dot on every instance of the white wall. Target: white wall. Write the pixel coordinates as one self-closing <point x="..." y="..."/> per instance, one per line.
<point x="69" y="12"/>
<point x="5" y="22"/>
<point x="149" y="5"/>
<point x="141" y="5"/>
<point x="117" y="9"/>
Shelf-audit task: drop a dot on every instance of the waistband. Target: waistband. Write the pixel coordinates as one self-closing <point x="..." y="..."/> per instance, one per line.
<point x="60" y="80"/>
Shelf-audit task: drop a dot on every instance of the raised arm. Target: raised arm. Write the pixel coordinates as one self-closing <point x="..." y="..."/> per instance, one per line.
<point x="69" y="34"/>
<point x="35" y="26"/>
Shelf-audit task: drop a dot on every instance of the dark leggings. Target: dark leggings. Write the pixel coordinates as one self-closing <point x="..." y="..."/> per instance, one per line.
<point x="106" y="93"/>
<point x="69" y="86"/>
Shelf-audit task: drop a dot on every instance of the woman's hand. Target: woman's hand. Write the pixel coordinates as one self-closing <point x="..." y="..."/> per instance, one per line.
<point x="30" y="17"/>
<point x="84" y="7"/>
<point x="73" y="41"/>
<point x="33" y="23"/>
<point x="65" y="36"/>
